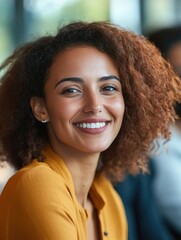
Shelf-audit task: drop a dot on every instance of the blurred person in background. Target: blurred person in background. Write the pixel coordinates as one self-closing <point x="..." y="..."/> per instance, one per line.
<point x="144" y="219"/>
<point x="167" y="163"/>
<point x="6" y="170"/>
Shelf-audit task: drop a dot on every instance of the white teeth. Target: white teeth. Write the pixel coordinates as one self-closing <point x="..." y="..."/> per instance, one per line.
<point x="91" y="125"/>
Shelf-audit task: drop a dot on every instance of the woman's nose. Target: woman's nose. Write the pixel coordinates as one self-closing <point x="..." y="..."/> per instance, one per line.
<point x="92" y="104"/>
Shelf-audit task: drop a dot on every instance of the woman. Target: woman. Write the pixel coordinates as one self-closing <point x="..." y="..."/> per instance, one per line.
<point x="76" y="109"/>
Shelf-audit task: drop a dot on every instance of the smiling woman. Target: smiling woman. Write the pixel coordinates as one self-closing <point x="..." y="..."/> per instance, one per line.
<point x="77" y="103"/>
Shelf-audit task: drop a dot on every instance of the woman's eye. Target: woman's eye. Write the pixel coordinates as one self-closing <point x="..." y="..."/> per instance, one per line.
<point x="108" y="89"/>
<point x="70" y="91"/>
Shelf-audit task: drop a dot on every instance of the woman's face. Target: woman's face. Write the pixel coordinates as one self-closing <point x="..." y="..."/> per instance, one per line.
<point x="83" y="101"/>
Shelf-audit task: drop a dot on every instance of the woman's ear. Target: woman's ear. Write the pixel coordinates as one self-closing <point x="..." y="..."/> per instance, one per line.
<point x="39" y="109"/>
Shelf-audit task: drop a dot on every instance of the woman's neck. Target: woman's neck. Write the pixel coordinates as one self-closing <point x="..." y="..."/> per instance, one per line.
<point x="83" y="172"/>
<point x="82" y="167"/>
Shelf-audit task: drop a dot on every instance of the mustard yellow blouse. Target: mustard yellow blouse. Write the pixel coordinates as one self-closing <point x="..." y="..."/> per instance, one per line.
<point x="39" y="203"/>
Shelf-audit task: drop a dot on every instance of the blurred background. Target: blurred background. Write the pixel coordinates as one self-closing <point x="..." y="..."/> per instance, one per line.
<point x="23" y="20"/>
<point x="152" y="214"/>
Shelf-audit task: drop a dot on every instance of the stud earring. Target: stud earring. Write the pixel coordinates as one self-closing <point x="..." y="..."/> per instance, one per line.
<point x="44" y="121"/>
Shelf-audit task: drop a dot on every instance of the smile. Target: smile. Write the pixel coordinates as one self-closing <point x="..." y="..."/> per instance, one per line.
<point x="91" y="125"/>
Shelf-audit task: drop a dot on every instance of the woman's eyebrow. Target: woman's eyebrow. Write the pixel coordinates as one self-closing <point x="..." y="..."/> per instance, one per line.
<point x="69" y="79"/>
<point x="109" y="78"/>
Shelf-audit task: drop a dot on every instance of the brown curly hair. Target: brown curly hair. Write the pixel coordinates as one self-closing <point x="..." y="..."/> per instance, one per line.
<point x="149" y="88"/>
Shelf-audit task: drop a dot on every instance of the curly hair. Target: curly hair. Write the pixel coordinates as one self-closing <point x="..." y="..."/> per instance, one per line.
<point x="149" y="88"/>
<point x="164" y="39"/>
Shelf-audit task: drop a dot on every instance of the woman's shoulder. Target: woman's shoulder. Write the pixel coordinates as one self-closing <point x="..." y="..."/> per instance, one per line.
<point x="33" y="173"/>
<point x="37" y="196"/>
<point x="35" y="180"/>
